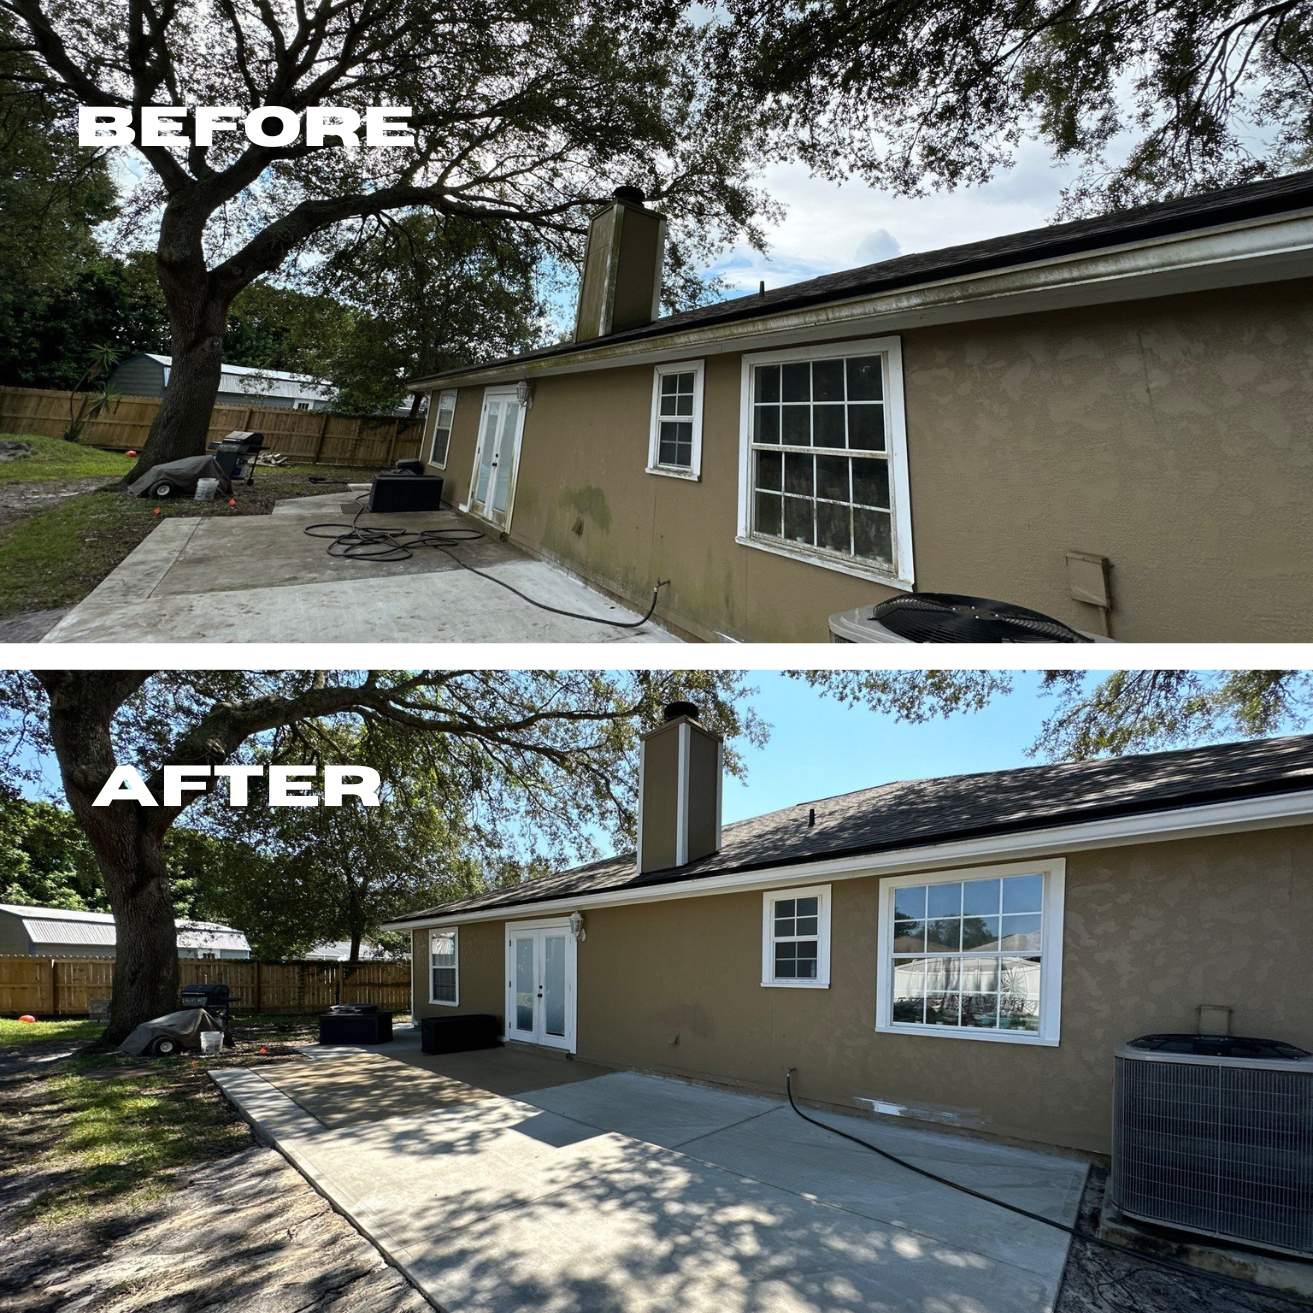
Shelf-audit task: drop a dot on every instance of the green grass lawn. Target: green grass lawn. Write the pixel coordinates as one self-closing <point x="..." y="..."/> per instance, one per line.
<point x="53" y="458"/>
<point x="15" y="1034"/>
<point x="121" y="1132"/>
<point x="56" y="556"/>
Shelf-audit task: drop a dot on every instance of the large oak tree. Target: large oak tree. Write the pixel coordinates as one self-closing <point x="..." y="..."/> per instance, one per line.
<point x="527" y="113"/>
<point x="519" y="758"/>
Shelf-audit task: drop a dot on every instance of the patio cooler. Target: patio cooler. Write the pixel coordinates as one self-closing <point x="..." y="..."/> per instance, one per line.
<point x="355" y="1023"/>
<point x="476" y="1030"/>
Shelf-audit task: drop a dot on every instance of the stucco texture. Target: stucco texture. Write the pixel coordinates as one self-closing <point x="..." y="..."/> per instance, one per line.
<point x="1151" y="931"/>
<point x="1170" y="435"/>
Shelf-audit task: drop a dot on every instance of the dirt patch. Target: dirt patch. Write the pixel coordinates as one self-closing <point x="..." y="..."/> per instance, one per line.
<point x="18" y="500"/>
<point x="241" y="1233"/>
<point x="227" y="1226"/>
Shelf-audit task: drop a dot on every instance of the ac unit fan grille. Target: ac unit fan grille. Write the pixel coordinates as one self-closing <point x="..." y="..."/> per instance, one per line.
<point x="953" y="618"/>
<point x="1224" y="1150"/>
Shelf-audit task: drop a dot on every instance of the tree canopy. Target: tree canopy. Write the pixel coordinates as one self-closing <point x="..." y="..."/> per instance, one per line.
<point x="1150" y="100"/>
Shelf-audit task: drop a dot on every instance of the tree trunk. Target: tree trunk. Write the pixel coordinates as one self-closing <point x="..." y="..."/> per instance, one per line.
<point x="128" y="841"/>
<point x="131" y="859"/>
<point x="198" y="315"/>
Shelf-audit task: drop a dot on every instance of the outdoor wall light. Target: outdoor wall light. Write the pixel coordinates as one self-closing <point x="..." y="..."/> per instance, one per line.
<point x="577" y="927"/>
<point x="524" y="393"/>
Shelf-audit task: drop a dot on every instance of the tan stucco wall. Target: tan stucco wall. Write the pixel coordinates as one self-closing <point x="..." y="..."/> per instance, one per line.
<point x="1174" y="436"/>
<point x="1151" y="931"/>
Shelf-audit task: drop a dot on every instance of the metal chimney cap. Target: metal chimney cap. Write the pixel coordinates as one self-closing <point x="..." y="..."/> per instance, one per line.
<point x="634" y="195"/>
<point x="674" y="710"/>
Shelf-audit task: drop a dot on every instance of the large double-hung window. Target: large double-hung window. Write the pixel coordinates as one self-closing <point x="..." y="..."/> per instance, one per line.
<point x="824" y="458"/>
<point x="972" y="953"/>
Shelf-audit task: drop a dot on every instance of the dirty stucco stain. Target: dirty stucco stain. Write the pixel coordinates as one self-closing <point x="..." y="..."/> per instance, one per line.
<point x="589" y="504"/>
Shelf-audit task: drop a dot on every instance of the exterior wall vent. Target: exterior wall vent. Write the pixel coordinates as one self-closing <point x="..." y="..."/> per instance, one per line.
<point x="1214" y="1134"/>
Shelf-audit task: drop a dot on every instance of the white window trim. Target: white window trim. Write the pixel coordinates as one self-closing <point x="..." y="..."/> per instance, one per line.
<point x="428" y="964"/>
<point x="435" y="407"/>
<point x="1054" y="870"/>
<point x="821" y="892"/>
<point x="694" y="473"/>
<point x="903" y="574"/>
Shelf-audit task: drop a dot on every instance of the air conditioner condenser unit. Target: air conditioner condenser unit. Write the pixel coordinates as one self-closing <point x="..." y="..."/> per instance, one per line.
<point x="1214" y="1135"/>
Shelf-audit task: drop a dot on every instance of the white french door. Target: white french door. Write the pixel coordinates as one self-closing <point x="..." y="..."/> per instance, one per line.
<point x="492" y="485"/>
<point x="541" y="970"/>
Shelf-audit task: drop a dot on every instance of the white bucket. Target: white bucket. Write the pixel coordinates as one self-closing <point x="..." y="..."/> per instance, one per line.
<point x="211" y="1042"/>
<point x="206" y="489"/>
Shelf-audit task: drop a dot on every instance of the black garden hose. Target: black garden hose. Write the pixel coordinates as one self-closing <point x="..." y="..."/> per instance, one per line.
<point x="354" y="542"/>
<point x="1184" y="1268"/>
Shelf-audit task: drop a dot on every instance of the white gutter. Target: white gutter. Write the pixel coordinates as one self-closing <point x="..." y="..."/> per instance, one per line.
<point x="1242" y="253"/>
<point x="1181" y="823"/>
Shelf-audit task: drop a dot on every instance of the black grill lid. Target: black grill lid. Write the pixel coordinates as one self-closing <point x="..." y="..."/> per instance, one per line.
<point x="954" y="618"/>
<point x="1221" y="1046"/>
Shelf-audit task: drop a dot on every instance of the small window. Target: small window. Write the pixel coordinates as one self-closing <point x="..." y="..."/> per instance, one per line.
<point x="442" y="967"/>
<point x="975" y="954"/>
<point x="675" y="442"/>
<point x="795" y="938"/>
<point x="300" y="405"/>
<point x="444" y="415"/>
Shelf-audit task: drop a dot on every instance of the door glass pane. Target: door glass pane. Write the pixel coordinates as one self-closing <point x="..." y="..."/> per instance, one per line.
<point x="524" y="990"/>
<point x="554" y="986"/>
<point x="506" y="458"/>
<point x="487" y="446"/>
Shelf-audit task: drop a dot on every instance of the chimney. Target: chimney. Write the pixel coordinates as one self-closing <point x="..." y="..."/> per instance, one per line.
<point x="678" y="791"/>
<point x="621" y="286"/>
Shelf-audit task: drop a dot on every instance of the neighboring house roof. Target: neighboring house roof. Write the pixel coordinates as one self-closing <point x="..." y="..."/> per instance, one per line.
<point x="339" y="950"/>
<point x="1251" y="201"/>
<point x="62" y="925"/>
<point x="918" y="813"/>
<point x="261" y="382"/>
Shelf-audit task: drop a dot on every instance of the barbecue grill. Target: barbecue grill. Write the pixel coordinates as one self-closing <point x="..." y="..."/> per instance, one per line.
<point x="238" y="453"/>
<point x="215" y="999"/>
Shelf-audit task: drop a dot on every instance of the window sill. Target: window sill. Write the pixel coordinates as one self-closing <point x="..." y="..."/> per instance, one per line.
<point x="988" y="1036"/>
<point x="795" y="984"/>
<point x="854" y="568"/>
<point x="444" y="1003"/>
<point x="687" y="475"/>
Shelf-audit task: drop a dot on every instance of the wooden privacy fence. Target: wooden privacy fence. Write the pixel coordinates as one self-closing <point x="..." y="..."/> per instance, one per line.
<point x="67" y="986"/>
<point x="315" y="437"/>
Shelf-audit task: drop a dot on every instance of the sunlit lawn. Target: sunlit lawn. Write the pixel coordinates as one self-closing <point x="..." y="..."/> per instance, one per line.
<point x="14" y="1034"/>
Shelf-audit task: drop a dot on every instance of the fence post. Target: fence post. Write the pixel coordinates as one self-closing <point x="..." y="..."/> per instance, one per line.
<point x="259" y="989"/>
<point x="300" y="986"/>
<point x="392" y="446"/>
<point x="323" y="431"/>
<point x="54" y="988"/>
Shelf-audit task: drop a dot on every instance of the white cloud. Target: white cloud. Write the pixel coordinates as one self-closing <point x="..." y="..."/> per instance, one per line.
<point x="829" y="226"/>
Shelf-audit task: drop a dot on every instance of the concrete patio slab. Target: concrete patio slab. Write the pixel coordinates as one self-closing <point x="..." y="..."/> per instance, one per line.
<point x="263" y="579"/>
<point x="503" y="1205"/>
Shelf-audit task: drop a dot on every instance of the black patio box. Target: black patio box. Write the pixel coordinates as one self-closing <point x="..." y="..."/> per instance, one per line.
<point x="406" y="492"/>
<point x="355" y="1024"/>
<point x="475" y="1030"/>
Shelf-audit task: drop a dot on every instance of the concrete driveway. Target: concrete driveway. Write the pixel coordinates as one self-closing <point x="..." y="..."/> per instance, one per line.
<point x="262" y="579"/>
<point x="504" y="1182"/>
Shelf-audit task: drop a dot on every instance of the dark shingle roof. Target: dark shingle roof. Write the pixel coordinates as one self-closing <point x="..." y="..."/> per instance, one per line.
<point x="1255" y="200"/>
<point x="915" y="813"/>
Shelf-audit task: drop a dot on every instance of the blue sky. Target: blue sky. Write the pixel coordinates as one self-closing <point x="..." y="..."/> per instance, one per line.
<point x="818" y="747"/>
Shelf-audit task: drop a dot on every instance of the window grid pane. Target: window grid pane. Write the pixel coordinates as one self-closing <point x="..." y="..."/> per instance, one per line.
<point x="795" y="938"/>
<point x="958" y="962"/>
<point x="837" y="500"/>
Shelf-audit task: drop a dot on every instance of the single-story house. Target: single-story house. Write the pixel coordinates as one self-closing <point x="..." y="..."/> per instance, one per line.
<point x="1109" y="421"/>
<point x="61" y="932"/>
<point x="147" y="375"/>
<point x="970" y="950"/>
<point x="339" y="950"/>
